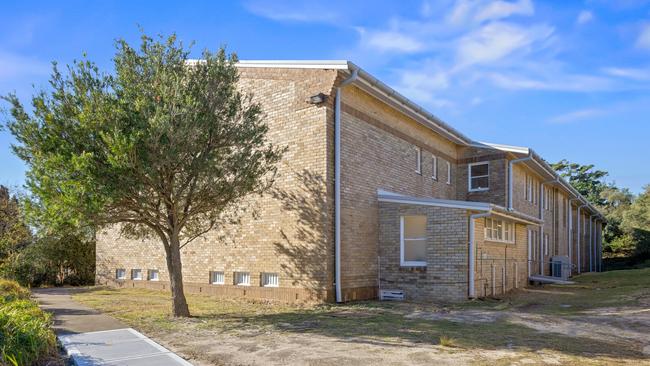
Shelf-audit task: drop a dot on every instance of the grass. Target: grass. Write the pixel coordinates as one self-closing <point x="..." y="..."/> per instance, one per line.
<point x="25" y="334"/>
<point x="393" y="323"/>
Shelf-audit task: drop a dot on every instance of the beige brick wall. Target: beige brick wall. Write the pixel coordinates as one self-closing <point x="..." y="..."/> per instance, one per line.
<point x="291" y="231"/>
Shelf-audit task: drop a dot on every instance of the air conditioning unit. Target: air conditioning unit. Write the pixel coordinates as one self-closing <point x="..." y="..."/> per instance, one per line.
<point x="560" y="266"/>
<point x="391" y="295"/>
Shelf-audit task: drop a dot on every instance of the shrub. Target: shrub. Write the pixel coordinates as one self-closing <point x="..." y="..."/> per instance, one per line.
<point x="446" y="341"/>
<point x="25" y="334"/>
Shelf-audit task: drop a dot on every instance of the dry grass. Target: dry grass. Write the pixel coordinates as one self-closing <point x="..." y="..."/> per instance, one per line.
<point x="534" y="326"/>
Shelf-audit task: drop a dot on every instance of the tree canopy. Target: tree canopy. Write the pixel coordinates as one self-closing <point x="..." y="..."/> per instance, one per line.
<point x="163" y="146"/>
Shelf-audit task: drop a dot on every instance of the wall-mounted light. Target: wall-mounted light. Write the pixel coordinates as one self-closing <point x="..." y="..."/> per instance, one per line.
<point x="317" y="99"/>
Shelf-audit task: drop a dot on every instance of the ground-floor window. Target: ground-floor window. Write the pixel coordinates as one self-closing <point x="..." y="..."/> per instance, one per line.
<point x="152" y="275"/>
<point x="499" y="230"/>
<point x="136" y="274"/>
<point x="270" y="280"/>
<point x="217" y="278"/>
<point x="413" y="240"/>
<point x="242" y="278"/>
<point x="120" y="274"/>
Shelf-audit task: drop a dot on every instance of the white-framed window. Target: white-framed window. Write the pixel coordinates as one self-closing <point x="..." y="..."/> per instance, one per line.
<point x="120" y="274"/>
<point x="136" y="274"/>
<point x="545" y="244"/>
<point x="418" y="160"/>
<point x="448" y="172"/>
<point x="270" y="279"/>
<point x="478" y="176"/>
<point x="152" y="275"/>
<point x="499" y="230"/>
<point x="434" y="167"/>
<point x="217" y="278"/>
<point x="529" y="188"/>
<point x="242" y="278"/>
<point x="413" y="241"/>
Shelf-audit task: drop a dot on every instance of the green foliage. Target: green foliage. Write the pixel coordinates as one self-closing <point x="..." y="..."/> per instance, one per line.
<point x="14" y="233"/>
<point x="163" y="146"/>
<point x="25" y="334"/>
<point x="59" y="259"/>
<point x="584" y="178"/>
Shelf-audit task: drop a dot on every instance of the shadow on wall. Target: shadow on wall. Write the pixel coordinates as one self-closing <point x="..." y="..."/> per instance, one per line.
<point x="306" y="246"/>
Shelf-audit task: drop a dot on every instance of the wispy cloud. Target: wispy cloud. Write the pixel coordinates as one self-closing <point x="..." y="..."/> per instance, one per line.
<point x="503" y="9"/>
<point x="584" y="17"/>
<point x="643" y="40"/>
<point x="578" y="115"/>
<point x="13" y="65"/>
<point x="299" y="11"/>
<point x="639" y="74"/>
<point x="384" y="41"/>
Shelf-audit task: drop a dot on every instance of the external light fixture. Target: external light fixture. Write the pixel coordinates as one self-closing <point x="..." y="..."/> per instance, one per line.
<point x="317" y="99"/>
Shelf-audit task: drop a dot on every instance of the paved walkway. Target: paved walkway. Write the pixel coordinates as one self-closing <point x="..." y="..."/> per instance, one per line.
<point x="92" y="338"/>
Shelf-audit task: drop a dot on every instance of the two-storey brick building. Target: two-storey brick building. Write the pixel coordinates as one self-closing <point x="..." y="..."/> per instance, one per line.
<point x="374" y="193"/>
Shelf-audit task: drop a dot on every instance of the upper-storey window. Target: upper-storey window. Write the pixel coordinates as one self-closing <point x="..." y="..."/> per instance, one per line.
<point x="532" y="189"/>
<point x="418" y="160"/>
<point x="448" y="173"/>
<point x="434" y="167"/>
<point x="479" y="177"/>
<point x="413" y="240"/>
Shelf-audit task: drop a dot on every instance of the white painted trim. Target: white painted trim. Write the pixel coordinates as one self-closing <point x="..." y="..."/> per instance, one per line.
<point x="478" y="206"/>
<point x="403" y="262"/>
<point x="448" y="172"/>
<point x="434" y="167"/>
<point x="469" y="177"/>
<point x="418" y="155"/>
<point x="295" y="64"/>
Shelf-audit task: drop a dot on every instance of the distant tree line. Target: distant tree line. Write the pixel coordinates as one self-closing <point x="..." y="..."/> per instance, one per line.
<point x="627" y="234"/>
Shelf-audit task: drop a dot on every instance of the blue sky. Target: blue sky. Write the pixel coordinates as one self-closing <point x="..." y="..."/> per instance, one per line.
<point x="569" y="79"/>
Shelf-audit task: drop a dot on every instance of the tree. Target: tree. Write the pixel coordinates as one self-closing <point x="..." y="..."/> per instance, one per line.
<point x="583" y="178"/>
<point x="162" y="147"/>
<point x="14" y="233"/>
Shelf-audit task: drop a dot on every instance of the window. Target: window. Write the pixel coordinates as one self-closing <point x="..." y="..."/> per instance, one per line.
<point x="529" y="189"/>
<point x="152" y="275"/>
<point x="545" y="244"/>
<point x="448" y="173"/>
<point x="413" y="241"/>
<point x="242" y="278"/>
<point x="270" y="280"/>
<point x="418" y="160"/>
<point x="217" y="278"/>
<point x="120" y="274"/>
<point x="499" y="230"/>
<point x="136" y="274"/>
<point x="479" y="177"/>
<point x="434" y="167"/>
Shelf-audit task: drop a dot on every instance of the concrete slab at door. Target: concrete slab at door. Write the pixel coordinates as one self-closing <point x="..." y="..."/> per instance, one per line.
<point x="118" y="347"/>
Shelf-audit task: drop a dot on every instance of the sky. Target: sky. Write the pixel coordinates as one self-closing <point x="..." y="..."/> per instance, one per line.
<point x="570" y="79"/>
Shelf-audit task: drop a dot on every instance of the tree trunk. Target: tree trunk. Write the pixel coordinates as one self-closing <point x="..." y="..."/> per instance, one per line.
<point x="174" y="266"/>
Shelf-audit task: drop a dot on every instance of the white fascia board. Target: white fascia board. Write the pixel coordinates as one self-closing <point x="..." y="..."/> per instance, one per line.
<point x="385" y="196"/>
<point x="296" y="64"/>
<point x="508" y="148"/>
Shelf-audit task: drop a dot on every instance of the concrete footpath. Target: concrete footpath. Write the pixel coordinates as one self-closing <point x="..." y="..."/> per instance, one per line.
<point x="92" y="338"/>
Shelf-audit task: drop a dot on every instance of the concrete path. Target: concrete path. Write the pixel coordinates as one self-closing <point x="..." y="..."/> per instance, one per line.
<point x="92" y="338"/>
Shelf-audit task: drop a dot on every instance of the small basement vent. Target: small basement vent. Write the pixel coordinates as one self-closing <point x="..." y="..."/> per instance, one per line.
<point x="391" y="295"/>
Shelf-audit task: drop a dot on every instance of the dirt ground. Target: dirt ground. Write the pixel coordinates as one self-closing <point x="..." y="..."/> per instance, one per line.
<point x="603" y="319"/>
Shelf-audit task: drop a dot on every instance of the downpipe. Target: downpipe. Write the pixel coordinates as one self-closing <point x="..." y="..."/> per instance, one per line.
<point x="472" y="253"/>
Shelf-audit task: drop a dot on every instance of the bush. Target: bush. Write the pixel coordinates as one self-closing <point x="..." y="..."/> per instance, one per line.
<point x="26" y="337"/>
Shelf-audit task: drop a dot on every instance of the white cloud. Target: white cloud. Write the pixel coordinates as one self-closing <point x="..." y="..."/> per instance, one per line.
<point x="503" y="9"/>
<point x="551" y="80"/>
<point x="384" y="41"/>
<point x="14" y="65"/>
<point x="578" y="115"/>
<point x="643" y="41"/>
<point x="497" y="40"/>
<point x="639" y="74"/>
<point x="584" y="17"/>
<point x="293" y="11"/>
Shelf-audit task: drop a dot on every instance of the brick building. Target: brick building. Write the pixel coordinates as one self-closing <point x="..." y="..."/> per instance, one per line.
<point x="375" y="194"/>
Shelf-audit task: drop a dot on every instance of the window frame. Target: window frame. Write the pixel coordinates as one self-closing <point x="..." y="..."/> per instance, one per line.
<point x="509" y="230"/>
<point x="448" y="172"/>
<point x="418" y="156"/>
<point x="152" y="271"/>
<point x="244" y="274"/>
<point x="469" y="177"/>
<point x="434" y="167"/>
<point x="264" y="276"/>
<point x="133" y="271"/>
<point x="212" y="278"/>
<point x="402" y="239"/>
<point x="117" y="273"/>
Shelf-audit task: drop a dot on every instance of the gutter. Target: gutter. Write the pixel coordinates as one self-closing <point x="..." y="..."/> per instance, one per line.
<point x="337" y="184"/>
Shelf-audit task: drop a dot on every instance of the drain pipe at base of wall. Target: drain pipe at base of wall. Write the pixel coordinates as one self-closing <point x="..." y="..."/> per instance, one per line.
<point x="472" y="252"/>
<point x="511" y="176"/>
<point x="337" y="184"/>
